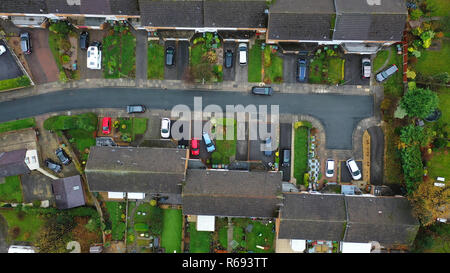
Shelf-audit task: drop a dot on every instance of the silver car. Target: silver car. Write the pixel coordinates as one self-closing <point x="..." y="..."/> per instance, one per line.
<point x="382" y="76"/>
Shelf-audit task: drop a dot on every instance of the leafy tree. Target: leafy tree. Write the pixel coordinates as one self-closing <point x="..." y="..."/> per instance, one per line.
<point x="55" y="234"/>
<point x="415" y="14"/>
<point x="426" y="38"/>
<point x="430" y="202"/>
<point x="412" y="165"/>
<point x="413" y="135"/>
<point x="419" y="102"/>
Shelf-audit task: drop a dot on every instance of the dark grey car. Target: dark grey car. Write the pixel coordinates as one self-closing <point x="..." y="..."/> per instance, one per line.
<point x="286" y="158"/>
<point x="25" y="42"/>
<point x="228" y="59"/>
<point x="62" y="156"/>
<point x="135" y="109"/>
<point x="267" y="91"/>
<point x="170" y="56"/>
<point x="52" y="165"/>
<point x="84" y="40"/>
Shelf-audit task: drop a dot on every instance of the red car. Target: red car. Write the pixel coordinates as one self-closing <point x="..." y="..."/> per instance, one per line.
<point x="106" y="125"/>
<point x="195" y="146"/>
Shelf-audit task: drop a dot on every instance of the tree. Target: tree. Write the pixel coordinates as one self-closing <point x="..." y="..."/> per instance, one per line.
<point x="413" y="135"/>
<point x="419" y="102"/>
<point x="55" y="234"/>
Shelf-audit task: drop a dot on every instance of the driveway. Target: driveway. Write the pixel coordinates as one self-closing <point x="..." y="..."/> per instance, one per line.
<point x="345" y="173"/>
<point x="352" y="70"/>
<point x="290" y="68"/>
<point x="339" y="114"/>
<point x="41" y="61"/>
<point x="376" y="155"/>
<point x="176" y="71"/>
<point x="36" y="186"/>
<point x="141" y="54"/>
<point x="241" y="70"/>
<point x="3" y="234"/>
<point x="285" y="144"/>
<point x="229" y="73"/>
<point x="86" y="73"/>
<point x="9" y="69"/>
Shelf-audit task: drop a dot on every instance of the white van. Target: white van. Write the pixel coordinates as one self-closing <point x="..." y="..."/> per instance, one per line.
<point x="94" y="56"/>
<point x="242" y="54"/>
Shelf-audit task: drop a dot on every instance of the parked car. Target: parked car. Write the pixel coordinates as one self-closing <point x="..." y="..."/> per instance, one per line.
<point x="301" y="70"/>
<point x="106" y="125"/>
<point x="165" y="128"/>
<point x="135" y="109"/>
<point x="195" y="146"/>
<point x="382" y="76"/>
<point x="170" y="56"/>
<point x="353" y="168"/>
<point x="242" y="53"/>
<point x="52" y="165"/>
<point x="25" y="42"/>
<point x="94" y="56"/>
<point x="268" y="146"/>
<point x="2" y="49"/>
<point x="366" y="68"/>
<point x="62" y="156"/>
<point x="84" y="40"/>
<point x="286" y="158"/>
<point x="208" y="142"/>
<point x="268" y="91"/>
<point x="228" y="58"/>
<point x="330" y="168"/>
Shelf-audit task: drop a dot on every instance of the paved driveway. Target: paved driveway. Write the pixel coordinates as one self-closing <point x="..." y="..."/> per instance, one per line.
<point x="9" y="69"/>
<point x="338" y="113"/>
<point x="352" y="70"/>
<point x="289" y="68"/>
<point x="285" y="144"/>
<point x="176" y="71"/>
<point x="241" y="71"/>
<point x="229" y="73"/>
<point x="41" y="61"/>
<point x="141" y="54"/>
<point x="376" y="155"/>
<point x="3" y="234"/>
<point x="86" y="73"/>
<point x="345" y="173"/>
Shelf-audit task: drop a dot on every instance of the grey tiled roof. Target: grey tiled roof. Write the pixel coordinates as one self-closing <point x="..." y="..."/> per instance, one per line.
<point x="173" y="13"/>
<point x="68" y="192"/>
<point x="231" y="193"/>
<point x="303" y="6"/>
<point x="296" y="26"/>
<point x="312" y="217"/>
<point x="129" y="169"/>
<point x="100" y="7"/>
<point x="23" y="6"/>
<point x="13" y="163"/>
<point x="235" y="13"/>
<point x="359" y="6"/>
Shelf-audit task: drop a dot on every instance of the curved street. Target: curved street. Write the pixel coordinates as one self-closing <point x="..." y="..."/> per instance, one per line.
<point x="339" y="114"/>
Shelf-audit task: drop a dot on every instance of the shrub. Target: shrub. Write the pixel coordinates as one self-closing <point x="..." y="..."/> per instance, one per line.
<point x="412" y="165"/>
<point x="413" y="135"/>
<point x="65" y="59"/>
<point x="36" y="203"/>
<point x="63" y="77"/>
<point x="419" y="102"/>
<point x="415" y="14"/>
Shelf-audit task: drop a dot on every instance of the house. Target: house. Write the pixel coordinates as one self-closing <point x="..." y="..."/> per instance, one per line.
<point x="354" y="220"/>
<point x="13" y="163"/>
<point x="232" y="193"/>
<point x="68" y="192"/>
<point x="24" y="13"/>
<point x="141" y="172"/>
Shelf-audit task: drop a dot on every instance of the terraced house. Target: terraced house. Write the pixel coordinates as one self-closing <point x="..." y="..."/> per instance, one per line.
<point x="358" y="26"/>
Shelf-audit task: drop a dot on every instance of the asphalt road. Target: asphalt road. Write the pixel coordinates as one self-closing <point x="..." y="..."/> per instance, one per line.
<point x="338" y="113"/>
<point x="9" y="69"/>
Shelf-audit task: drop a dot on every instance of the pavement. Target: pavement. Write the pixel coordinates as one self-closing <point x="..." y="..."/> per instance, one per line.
<point x="339" y="114"/>
<point x="9" y="69"/>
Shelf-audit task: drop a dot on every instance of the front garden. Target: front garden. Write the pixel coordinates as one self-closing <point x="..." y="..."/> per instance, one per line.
<point x="326" y="67"/>
<point x="206" y="59"/>
<point x="273" y="65"/>
<point x="155" y="57"/>
<point x="255" y="62"/>
<point x="17" y="125"/>
<point x="119" y="53"/>
<point x="116" y="219"/>
<point x="225" y="147"/>
<point x="301" y="153"/>
<point x="130" y="128"/>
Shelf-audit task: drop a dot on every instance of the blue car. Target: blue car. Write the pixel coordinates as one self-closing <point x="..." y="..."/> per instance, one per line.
<point x="209" y="145"/>
<point x="301" y="71"/>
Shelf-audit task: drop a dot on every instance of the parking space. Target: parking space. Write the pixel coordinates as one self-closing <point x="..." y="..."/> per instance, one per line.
<point x="256" y="151"/>
<point x="176" y="71"/>
<point x="242" y="145"/>
<point x="9" y="69"/>
<point x="290" y="68"/>
<point x="346" y="177"/>
<point x="353" y="68"/>
<point x="241" y="71"/>
<point x="229" y="74"/>
<point x="86" y="73"/>
<point x="285" y="144"/>
<point x="41" y="61"/>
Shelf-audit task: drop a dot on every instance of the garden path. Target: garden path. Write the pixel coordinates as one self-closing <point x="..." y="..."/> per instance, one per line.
<point x="230" y="235"/>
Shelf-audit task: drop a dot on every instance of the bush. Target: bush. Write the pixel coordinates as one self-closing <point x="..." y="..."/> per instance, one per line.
<point x="63" y="77"/>
<point x="415" y="14"/>
<point x="412" y="167"/>
<point x="65" y="59"/>
<point x="141" y="227"/>
<point x="36" y="203"/>
<point x="419" y="102"/>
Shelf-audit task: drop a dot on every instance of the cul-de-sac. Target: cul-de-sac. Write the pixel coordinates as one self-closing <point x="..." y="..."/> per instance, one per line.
<point x="224" y="126"/>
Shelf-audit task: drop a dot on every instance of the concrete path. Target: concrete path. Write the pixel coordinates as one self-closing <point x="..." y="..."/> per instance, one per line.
<point x="230" y="235"/>
<point x="141" y="54"/>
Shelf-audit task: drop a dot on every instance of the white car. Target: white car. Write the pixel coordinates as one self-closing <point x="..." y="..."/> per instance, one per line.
<point x="330" y="168"/>
<point x="94" y="56"/>
<point x="366" y="68"/>
<point x="353" y="169"/>
<point x="242" y="53"/>
<point x="165" y="128"/>
<point x="2" y="49"/>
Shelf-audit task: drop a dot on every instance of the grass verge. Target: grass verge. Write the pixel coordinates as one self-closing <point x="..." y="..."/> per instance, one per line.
<point x="300" y="153"/>
<point x="22" y="81"/>
<point x="17" y="125"/>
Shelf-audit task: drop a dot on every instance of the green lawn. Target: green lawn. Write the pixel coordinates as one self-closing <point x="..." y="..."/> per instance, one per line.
<point x="433" y="239"/>
<point x="274" y="72"/>
<point x="326" y="70"/>
<point x="155" y="56"/>
<point x="261" y="235"/>
<point x="225" y="148"/>
<point x="82" y="140"/>
<point x="335" y="70"/>
<point x="134" y="126"/>
<point x="199" y="241"/>
<point x="254" y="62"/>
<point x="394" y="84"/>
<point x="53" y="44"/>
<point x="11" y="190"/>
<point x="29" y="224"/>
<point x="17" y="125"/>
<point x="22" y="81"/>
<point x="300" y="153"/>
<point x="223" y="237"/>
<point x="439" y="7"/>
<point x="172" y="229"/>
<point x="115" y="211"/>
<point x="434" y="62"/>
<point x="197" y="51"/>
<point x="380" y="59"/>
<point x="119" y="57"/>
